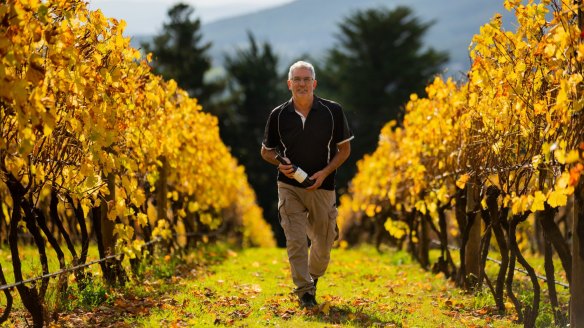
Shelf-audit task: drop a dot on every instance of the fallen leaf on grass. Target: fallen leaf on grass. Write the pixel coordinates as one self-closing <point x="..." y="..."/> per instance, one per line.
<point x="371" y="277"/>
<point x="325" y="308"/>
<point x="169" y="301"/>
<point x="453" y="314"/>
<point x="166" y="306"/>
<point x="121" y="303"/>
<point x="361" y="302"/>
<point x="208" y="292"/>
<point x="286" y="315"/>
<point x="238" y="314"/>
<point x="482" y="311"/>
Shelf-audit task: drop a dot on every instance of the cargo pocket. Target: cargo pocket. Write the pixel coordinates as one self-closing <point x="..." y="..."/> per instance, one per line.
<point x="282" y="212"/>
<point x="333" y="230"/>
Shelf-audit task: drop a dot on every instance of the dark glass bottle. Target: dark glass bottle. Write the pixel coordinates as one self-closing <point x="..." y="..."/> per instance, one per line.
<point x="299" y="174"/>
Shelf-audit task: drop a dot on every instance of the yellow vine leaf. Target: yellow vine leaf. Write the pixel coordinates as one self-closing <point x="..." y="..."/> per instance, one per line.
<point x="152" y="214"/>
<point x="142" y="219"/>
<point x="397" y="229"/>
<point x="370" y="210"/>
<point x="572" y="157"/>
<point x="538" y="202"/>
<point x="461" y="182"/>
<point x="557" y="198"/>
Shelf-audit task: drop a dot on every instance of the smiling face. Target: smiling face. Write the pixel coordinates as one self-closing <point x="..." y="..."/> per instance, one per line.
<point x="302" y="84"/>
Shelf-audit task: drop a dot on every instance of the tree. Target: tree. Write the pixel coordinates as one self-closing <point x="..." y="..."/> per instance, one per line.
<point x="255" y="88"/>
<point x="378" y="62"/>
<point x="179" y="54"/>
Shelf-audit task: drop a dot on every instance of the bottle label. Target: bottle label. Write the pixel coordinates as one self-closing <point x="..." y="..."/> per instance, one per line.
<point x="300" y="175"/>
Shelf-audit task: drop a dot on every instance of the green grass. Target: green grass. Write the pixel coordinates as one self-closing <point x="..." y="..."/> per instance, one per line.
<point x="93" y="295"/>
<point x="31" y="265"/>
<point x="362" y="288"/>
<point x="216" y="286"/>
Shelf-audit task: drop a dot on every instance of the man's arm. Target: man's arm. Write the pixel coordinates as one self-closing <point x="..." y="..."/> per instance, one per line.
<point x="269" y="155"/>
<point x="338" y="160"/>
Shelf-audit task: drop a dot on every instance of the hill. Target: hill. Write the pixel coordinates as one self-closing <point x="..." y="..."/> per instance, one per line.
<point x="309" y="26"/>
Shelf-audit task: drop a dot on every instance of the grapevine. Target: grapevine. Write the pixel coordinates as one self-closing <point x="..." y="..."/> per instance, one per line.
<point x="92" y="139"/>
<point x="504" y="146"/>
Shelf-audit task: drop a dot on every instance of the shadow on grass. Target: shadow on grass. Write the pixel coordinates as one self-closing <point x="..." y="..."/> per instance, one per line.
<point x="334" y="311"/>
<point x="343" y="314"/>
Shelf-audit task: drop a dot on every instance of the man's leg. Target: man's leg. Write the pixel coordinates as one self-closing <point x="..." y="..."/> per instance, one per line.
<point x="294" y="221"/>
<point x="321" y="231"/>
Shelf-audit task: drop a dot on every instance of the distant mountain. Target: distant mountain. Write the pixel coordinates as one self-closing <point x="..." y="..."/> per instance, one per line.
<point x="309" y="26"/>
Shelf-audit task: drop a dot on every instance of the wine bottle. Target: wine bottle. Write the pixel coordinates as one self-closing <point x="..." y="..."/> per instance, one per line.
<point x="299" y="174"/>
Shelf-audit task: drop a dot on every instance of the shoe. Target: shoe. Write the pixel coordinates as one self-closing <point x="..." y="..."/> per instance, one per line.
<point x="307" y="301"/>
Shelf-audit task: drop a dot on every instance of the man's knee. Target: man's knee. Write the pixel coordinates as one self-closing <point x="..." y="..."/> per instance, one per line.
<point x="296" y="244"/>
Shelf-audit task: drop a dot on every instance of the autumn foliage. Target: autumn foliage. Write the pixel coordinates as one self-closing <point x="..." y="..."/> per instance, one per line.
<point x="88" y="131"/>
<point x="512" y="131"/>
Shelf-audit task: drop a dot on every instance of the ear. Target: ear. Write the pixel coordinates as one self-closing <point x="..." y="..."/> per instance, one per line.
<point x="314" y="84"/>
<point x="289" y="84"/>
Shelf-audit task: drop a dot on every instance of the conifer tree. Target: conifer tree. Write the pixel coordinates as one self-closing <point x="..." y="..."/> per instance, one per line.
<point x="179" y="53"/>
<point x="378" y="61"/>
<point x="255" y="88"/>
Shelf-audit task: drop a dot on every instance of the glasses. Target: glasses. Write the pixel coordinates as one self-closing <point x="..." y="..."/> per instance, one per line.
<point x="306" y="80"/>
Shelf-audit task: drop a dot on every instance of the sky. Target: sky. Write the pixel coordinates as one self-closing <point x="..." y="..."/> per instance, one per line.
<point x="145" y="17"/>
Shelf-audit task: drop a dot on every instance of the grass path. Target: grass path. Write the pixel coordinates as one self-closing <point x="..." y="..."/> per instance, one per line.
<point x="362" y="288"/>
<point x="217" y="287"/>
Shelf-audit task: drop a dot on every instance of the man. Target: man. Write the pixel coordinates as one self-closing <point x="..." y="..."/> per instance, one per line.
<point x="313" y="134"/>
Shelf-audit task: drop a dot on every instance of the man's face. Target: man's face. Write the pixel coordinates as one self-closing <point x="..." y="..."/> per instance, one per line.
<point x="302" y="84"/>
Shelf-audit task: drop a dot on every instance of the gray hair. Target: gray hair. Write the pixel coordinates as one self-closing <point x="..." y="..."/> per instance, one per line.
<point x="301" y="64"/>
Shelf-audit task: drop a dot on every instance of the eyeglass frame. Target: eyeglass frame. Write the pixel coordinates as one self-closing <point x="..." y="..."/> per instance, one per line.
<point x="297" y="80"/>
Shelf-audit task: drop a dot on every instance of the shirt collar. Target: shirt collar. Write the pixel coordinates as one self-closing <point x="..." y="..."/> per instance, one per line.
<point x="290" y="104"/>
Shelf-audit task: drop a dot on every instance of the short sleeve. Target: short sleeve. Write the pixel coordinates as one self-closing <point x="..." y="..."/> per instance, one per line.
<point x="343" y="132"/>
<point x="271" y="136"/>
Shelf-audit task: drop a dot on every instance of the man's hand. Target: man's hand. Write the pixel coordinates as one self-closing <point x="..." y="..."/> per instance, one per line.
<point x="286" y="169"/>
<point x="318" y="178"/>
<point x="340" y="157"/>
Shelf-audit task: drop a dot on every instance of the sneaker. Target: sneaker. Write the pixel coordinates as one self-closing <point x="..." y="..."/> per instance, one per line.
<point x="307" y="301"/>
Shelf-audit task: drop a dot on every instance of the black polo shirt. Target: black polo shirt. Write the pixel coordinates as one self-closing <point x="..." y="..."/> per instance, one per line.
<point x="310" y="145"/>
